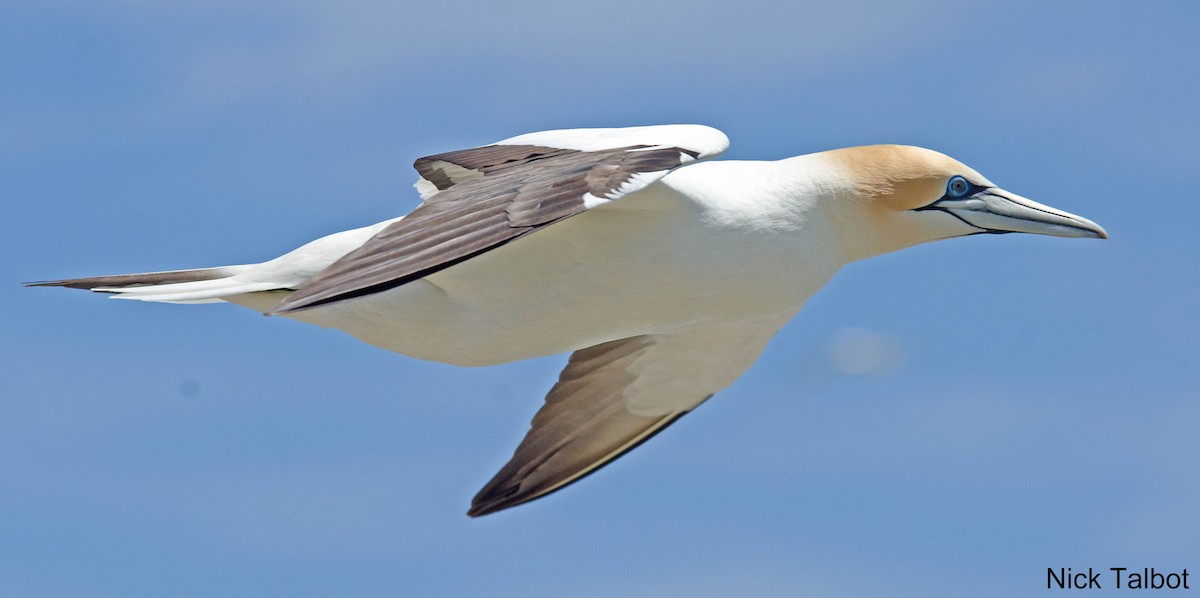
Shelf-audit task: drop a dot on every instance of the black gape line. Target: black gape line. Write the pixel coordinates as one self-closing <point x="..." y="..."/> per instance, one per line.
<point x="971" y="191"/>
<point x="982" y="231"/>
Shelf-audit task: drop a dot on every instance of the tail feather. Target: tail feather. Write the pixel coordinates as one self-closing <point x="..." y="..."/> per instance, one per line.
<point x="287" y="272"/>
<point x="203" y="285"/>
<point x="137" y="280"/>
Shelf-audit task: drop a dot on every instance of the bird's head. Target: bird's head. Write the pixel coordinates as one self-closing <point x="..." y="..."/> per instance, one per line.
<point x="903" y="195"/>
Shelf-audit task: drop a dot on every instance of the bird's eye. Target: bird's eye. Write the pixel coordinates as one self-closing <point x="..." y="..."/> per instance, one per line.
<point x="957" y="187"/>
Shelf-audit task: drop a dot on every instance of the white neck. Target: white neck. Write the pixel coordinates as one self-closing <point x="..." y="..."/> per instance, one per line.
<point x="863" y="229"/>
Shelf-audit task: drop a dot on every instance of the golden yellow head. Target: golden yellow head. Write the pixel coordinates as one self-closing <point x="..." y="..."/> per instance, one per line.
<point x="902" y="177"/>
<point x="903" y="195"/>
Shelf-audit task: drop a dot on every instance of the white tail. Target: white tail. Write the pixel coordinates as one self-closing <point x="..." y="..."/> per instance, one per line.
<point x="206" y="285"/>
<point x="210" y="285"/>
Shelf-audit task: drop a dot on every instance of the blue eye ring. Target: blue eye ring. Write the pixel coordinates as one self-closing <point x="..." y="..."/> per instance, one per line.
<point x="957" y="186"/>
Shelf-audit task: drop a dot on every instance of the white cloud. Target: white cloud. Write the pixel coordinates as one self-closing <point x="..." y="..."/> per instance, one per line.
<point x="862" y="352"/>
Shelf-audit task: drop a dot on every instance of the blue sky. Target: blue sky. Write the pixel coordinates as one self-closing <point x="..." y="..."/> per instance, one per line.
<point x="1035" y="403"/>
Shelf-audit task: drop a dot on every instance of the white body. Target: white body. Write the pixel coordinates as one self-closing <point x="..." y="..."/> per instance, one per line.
<point x="713" y="242"/>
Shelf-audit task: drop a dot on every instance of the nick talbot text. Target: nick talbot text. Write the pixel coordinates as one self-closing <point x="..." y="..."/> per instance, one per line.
<point x="1121" y="578"/>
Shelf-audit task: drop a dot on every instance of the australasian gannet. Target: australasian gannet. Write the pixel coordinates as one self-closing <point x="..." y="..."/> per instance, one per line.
<point x="665" y="274"/>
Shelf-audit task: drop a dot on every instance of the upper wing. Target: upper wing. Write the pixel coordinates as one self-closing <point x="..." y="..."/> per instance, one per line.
<point x="481" y="198"/>
<point x="614" y="396"/>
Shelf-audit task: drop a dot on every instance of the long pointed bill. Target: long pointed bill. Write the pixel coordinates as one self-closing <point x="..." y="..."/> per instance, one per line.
<point x="997" y="210"/>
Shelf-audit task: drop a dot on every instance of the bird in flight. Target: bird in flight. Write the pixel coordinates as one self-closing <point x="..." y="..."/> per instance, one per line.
<point x="664" y="273"/>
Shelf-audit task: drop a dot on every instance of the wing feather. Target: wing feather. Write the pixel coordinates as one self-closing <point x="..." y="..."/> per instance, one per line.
<point x="492" y="195"/>
<point x="613" y="397"/>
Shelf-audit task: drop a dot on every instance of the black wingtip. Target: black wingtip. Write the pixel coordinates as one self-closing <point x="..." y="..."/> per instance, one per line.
<point x="494" y="497"/>
<point x="479" y="510"/>
<point x="67" y="283"/>
<point x="501" y="493"/>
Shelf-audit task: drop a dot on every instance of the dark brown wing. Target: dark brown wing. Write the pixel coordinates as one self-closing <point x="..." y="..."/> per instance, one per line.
<point x="445" y="170"/>
<point x="583" y="426"/>
<point x="613" y="397"/>
<point x="518" y="189"/>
